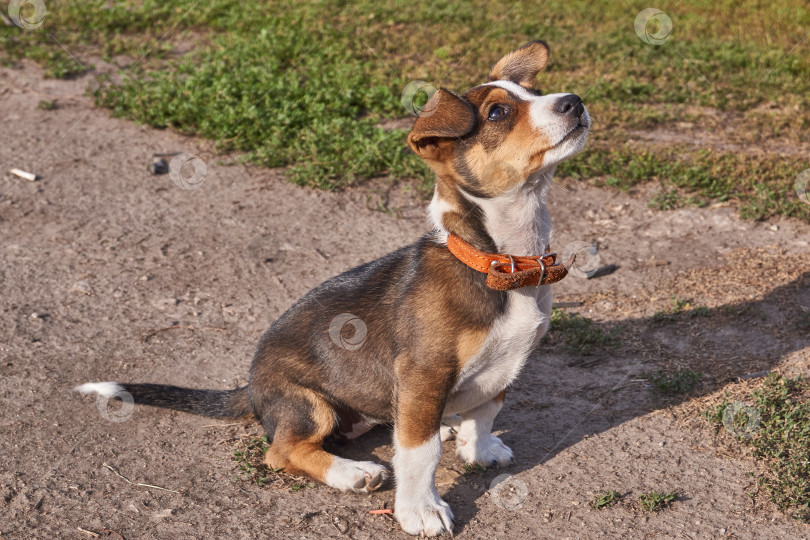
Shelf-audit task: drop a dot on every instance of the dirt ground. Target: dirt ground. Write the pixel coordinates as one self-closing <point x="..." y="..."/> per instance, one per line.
<point x="111" y="273"/>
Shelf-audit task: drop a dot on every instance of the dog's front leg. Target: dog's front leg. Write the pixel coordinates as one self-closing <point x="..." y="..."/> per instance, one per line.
<point x="420" y="402"/>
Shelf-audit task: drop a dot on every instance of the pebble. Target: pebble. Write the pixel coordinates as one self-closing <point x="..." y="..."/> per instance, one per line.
<point x="83" y="287"/>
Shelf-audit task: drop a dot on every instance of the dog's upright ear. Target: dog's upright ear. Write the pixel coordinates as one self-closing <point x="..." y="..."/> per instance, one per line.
<point x="522" y="65"/>
<point x="444" y="117"/>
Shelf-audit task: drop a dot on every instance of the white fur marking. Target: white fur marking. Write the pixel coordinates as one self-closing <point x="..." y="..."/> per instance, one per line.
<point x="436" y="210"/>
<point x="358" y="476"/>
<point x="358" y="429"/>
<point x="418" y="507"/>
<point x="106" y="389"/>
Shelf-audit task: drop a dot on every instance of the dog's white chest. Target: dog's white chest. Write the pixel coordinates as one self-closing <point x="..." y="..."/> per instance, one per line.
<point x="510" y="341"/>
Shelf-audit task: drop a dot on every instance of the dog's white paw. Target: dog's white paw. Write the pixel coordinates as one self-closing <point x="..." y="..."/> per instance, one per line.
<point x="358" y="476"/>
<point x="487" y="452"/>
<point x="424" y="518"/>
<point x="448" y="433"/>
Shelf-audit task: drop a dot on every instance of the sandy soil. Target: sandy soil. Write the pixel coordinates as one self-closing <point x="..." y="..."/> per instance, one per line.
<point x="110" y="273"/>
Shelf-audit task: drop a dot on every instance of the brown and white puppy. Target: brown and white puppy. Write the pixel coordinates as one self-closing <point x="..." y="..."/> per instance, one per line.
<point x="439" y="343"/>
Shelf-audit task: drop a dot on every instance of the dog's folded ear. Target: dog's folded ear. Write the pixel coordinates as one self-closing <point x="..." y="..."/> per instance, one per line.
<point x="445" y="116"/>
<point x="522" y="65"/>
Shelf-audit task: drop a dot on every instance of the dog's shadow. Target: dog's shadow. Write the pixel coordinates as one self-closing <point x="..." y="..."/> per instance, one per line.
<point x="561" y="398"/>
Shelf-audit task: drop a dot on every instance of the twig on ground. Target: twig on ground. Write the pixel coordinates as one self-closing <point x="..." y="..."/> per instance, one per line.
<point x="128" y="481"/>
<point x="25" y="175"/>
<point x="159" y="330"/>
<point x="91" y="533"/>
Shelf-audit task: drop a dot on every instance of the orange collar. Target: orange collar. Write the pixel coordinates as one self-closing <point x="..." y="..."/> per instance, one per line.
<point x="507" y="272"/>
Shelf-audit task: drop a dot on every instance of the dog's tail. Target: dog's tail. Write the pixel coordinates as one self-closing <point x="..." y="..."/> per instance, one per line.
<point x="212" y="403"/>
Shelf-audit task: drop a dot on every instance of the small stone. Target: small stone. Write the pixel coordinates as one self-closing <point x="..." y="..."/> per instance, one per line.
<point x="83" y="287"/>
<point x="341" y="525"/>
<point x="158" y="166"/>
<point x="163" y="303"/>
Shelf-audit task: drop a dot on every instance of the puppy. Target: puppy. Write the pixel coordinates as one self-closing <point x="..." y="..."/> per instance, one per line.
<point x="441" y="327"/>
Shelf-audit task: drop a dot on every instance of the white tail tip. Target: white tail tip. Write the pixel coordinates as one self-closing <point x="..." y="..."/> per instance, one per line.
<point x="106" y="389"/>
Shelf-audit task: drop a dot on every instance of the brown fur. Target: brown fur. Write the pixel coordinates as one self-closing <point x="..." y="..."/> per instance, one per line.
<point x="522" y="65"/>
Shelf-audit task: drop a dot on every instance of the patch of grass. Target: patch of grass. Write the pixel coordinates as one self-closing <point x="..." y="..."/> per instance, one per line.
<point x="714" y="414"/>
<point x="605" y="498"/>
<point x="700" y="311"/>
<point x="472" y="469"/>
<point x="580" y="336"/>
<point x="777" y="429"/>
<point x="249" y="456"/>
<point x="656" y="500"/>
<point x="680" y="305"/>
<point x="763" y="185"/>
<point x="46" y="105"/>
<point x="305" y="84"/>
<point x="682" y="381"/>
<point x="666" y="200"/>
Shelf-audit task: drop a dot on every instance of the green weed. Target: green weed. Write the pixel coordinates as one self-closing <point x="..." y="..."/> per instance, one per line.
<point x="605" y="498"/>
<point x="656" y="500"/>
<point x="580" y="336"/>
<point x="682" y="381"/>
<point x="777" y="429"/>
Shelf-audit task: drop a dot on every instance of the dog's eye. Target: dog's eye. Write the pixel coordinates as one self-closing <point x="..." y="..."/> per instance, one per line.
<point x="498" y="112"/>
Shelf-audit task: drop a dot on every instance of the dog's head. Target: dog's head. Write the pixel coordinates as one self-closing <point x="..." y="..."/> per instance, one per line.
<point x="498" y="134"/>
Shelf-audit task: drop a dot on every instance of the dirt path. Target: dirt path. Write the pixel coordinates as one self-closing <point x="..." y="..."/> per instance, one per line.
<point x="110" y="273"/>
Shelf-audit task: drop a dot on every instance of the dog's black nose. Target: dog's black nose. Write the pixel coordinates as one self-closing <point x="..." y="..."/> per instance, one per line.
<point x="570" y="104"/>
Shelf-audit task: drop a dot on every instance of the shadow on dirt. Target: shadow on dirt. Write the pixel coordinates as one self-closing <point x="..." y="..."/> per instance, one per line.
<point x="560" y="398"/>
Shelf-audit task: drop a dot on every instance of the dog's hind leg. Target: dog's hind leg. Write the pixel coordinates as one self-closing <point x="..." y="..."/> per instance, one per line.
<point x="301" y="425"/>
<point x="475" y="443"/>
